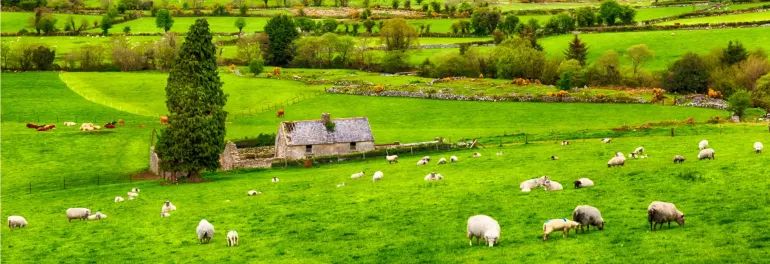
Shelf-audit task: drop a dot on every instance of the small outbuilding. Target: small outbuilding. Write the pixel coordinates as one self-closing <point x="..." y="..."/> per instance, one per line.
<point x="324" y="137"/>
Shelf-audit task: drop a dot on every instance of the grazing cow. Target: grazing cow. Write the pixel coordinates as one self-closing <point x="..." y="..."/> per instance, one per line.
<point x="164" y="120"/>
<point x="279" y="113"/>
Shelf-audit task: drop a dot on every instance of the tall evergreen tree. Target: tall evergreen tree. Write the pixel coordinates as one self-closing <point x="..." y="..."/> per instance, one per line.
<point x="577" y="51"/>
<point x="734" y="53"/>
<point x="281" y="32"/>
<point x="196" y="133"/>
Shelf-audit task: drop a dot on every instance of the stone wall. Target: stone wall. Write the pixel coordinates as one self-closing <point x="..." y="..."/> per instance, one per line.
<point x="320" y="150"/>
<point x="246" y="158"/>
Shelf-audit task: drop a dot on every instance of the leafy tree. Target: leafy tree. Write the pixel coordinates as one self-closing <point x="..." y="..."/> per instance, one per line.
<point x="243" y="9"/>
<point x="195" y="136"/>
<point x="570" y="75"/>
<point x="305" y="24"/>
<point x="435" y="6"/>
<point x="639" y="54"/>
<point x="484" y="20"/>
<point x="106" y="24"/>
<point x="394" y="4"/>
<point x="368" y="25"/>
<point x="256" y="66"/>
<point x="397" y="34"/>
<point x="560" y="24"/>
<point x="248" y="48"/>
<point x="761" y="93"/>
<point x="329" y="25"/>
<point x="281" y="32"/>
<point x="689" y="74"/>
<point x="395" y="61"/>
<point x="734" y="53"/>
<point x="165" y="51"/>
<point x="516" y="58"/>
<point x="626" y="15"/>
<point x="609" y="11"/>
<point x="42" y="58"/>
<point x="508" y="26"/>
<point x="240" y="23"/>
<point x="585" y="17"/>
<point x="164" y="20"/>
<point x="577" y="50"/>
<point x="47" y="24"/>
<point x="739" y="102"/>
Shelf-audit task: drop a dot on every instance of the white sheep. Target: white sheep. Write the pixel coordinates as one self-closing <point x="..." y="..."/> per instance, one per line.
<point x="205" y="231"/>
<point x="136" y="190"/>
<point x="616" y="161"/>
<point x="253" y="192"/>
<point x="563" y="225"/>
<point x="132" y="195"/>
<point x="679" y="159"/>
<point x="357" y="175"/>
<point x="637" y="153"/>
<point x="119" y="199"/>
<point x="499" y="153"/>
<point x="453" y="159"/>
<point x="162" y="214"/>
<point x="422" y="162"/>
<point x="662" y="212"/>
<point x="528" y="185"/>
<point x="16" y="221"/>
<point x="275" y="180"/>
<point x="232" y="238"/>
<point x="583" y="182"/>
<point x="550" y="185"/>
<point x="588" y="216"/>
<point x="442" y="161"/>
<point x="606" y="140"/>
<point x="97" y="216"/>
<point x="703" y="144"/>
<point x="554" y="157"/>
<point x="433" y="177"/>
<point x="758" y="147"/>
<point x="340" y="185"/>
<point x="78" y="213"/>
<point x="427" y="158"/>
<point x="706" y="154"/>
<point x="167" y="207"/>
<point x="69" y="123"/>
<point x="87" y="127"/>
<point x="483" y="227"/>
<point x="392" y="159"/>
<point x="476" y="154"/>
<point x="564" y="142"/>
<point x="377" y="176"/>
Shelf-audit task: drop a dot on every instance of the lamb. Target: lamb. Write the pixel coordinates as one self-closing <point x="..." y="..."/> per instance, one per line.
<point x="679" y="159"/>
<point x="706" y="154"/>
<point x="357" y="175"/>
<point x="167" y="207"/>
<point x="253" y="192"/>
<point x="564" y="225"/>
<point x="422" y="162"/>
<point x="483" y="227"/>
<point x="637" y="153"/>
<point x="205" y="231"/>
<point x="275" y="179"/>
<point x="550" y="185"/>
<point x="132" y="195"/>
<point x="232" y="238"/>
<point x="119" y="199"/>
<point x="69" y="123"/>
<point x="392" y="159"/>
<point x="758" y="147"/>
<point x="588" y="216"/>
<point x="453" y="159"/>
<point x="564" y="142"/>
<point x="583" y="182"/>
<point x="97" y="216"/>
<point x="554" y="157"/>
<point x="377" y="176"/>
<point x="78" y="213"/>
<point x="703" y="144"/>
<point x="433" y="177"/>
<point x="87" y="127"/>
<point x="662" y="212"/>
<point x="442" y="161"/>
<point x="16" y="221"/>
<point x="528" y="185"/>
<point x="606" y="140"/>
<point x="618" y="160"/>
<point x="476" y="154"/>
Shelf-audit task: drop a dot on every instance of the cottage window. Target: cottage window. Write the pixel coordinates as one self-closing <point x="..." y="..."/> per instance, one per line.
<point x="352" y="145"/>
<point x="308" y="149"/>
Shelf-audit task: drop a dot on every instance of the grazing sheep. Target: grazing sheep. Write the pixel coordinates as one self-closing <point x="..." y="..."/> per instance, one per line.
<point x="68" y="123"/>
<point x="758" y="147"/>
<point x="119" y="199"/>
<point x="442" y="161"/>
<point x="703" y="144"/>
<point x="205" y="231"/>
<point x="476" y="154"/>
<point x="162" y="214"/>
<point x="583" y="182"/>
<point x="679" y="159"/>
<point x="618" y="160"/>
<point x="132" y="195"/>
<point x="422" y="162"/>
<point x="377" y="176"/>
<point x="167" y="207"/>
<point x="588" y="216"/>
<point x="637" y="153"/>
<point x="392" y="159"/>
<point x="564" y="142"/>
<point x="97" y="216"/>
<point x="453" y="159"/>
<point x="483" y="227"/>
<point x="606" y="140"/>
<point x="253" y="192"/>
<point x="706" y="154"/>
<point x="136" y="190"/>
<point x="554" y="157"/>
<point x="433" y="177"/>
<point x="357" y="175"/>
<point x="662" y="212"/>
<point x="563" y="225"/>
<point x="78" y="213"/>
<point x="275" y="179"/>
<point x="550" y="185"/>
<point x="16" y="221"/>
<point x="232" y="238"/>
<point x="528" y="185"/>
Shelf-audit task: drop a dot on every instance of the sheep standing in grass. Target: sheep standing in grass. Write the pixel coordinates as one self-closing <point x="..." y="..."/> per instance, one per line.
<point x="706" y="154"/>
<point x="679" y="159"/>
<point x="253" y="192"/>
<point x="442" y="161"/>
<point x="357" y="175"/>
<point x="167" y="207"/>
<point x="637" y="153"/>
<point x="275" y="180"/>
<point x="564" y="225"/>
<point x="703" y="144"/>
<point x="453" y="159"/>
<point x="662" y="212"/>
<point x="758" y="147"/>
<point x="618" y="160"/>
<point x="583" y="182"/>
<point x="483" y="227"/>
<point x="392" y="159"/>
<point x="136" y="190"/>
<point x="69" y="123"/>
<point x="16" y="221"/>
<point x="232" y="238"/>
<point x="565" y="142"/>
<point x="119" y="199"/>
<point x="377" y="176"/>
<point x="606" y="140"/>
<point x="78" y="213"/>
<point x="528" y="185"/>
<point x="97" y="216"/>
<point x="205" y="231"/>
<point x="588" y="216"/>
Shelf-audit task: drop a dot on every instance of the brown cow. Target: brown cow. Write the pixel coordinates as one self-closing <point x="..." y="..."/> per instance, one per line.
<point x="279" y="113"/>
<point x="46" y="127"/>
<point x="277" y="71"/>
<point x="163" y="120"/>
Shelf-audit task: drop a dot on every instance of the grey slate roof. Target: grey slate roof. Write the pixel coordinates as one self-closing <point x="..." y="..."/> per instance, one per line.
<point x="314" y="132"/>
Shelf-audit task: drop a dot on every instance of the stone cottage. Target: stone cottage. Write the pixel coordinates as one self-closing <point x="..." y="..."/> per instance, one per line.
<point x="324" y="137"/>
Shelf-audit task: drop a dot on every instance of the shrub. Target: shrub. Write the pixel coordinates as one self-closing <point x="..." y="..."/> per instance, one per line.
<point x="739" y="101"/>
<point x="484" y="21"/>
<point x="397" y="34"/>
<point x="42" y="58"/>
<point x="686" y="75"/>
<point x="281" y="32"/>
<point x="256" y="66"/>
<point x="733" y="54"/>
<point x="395" y="61"/>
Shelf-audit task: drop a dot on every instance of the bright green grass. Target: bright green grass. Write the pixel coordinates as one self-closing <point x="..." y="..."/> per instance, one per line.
<point x="15" y="21"/>
<point x="747" y="17"/>
<point x="643" y="14"/>
<point x="515" y="6"/>
<point x="402" y="219"/>
<point x="182" y="24"/>
<point x="668" y="45"/>
<point x="439" y="25"/>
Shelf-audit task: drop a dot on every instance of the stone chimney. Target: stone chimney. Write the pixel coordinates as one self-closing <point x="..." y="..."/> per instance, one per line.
<point x="326" y="118"/>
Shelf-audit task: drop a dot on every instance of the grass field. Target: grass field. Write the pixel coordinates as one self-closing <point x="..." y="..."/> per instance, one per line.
<point x="15" y="21"/>
<point x="182" y="24"/>
<point x="747" y="17"/>
<point x="643" y="14"/>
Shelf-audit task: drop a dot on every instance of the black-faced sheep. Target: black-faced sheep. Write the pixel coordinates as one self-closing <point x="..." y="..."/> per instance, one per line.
<point x="583" y="182"/>
<point x="453" y="159"/>
<point x="758" y="147"/>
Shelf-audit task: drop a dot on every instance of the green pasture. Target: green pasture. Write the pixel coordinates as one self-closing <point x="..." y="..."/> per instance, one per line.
<point x="182" y="24"/>
<point x="746" y="17"/>
<point x="15" y="21"/>
<point x="643" y="14"/>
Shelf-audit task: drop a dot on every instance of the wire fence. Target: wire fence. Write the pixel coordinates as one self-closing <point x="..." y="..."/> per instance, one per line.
<point x="273" y="106"/>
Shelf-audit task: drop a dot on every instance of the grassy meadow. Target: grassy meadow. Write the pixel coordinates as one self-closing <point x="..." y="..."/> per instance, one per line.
<point x="746" y="17"/>
<point x="15" y="21"/>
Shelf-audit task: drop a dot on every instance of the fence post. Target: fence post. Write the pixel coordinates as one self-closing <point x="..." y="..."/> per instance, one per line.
<point x="411" y="149"/>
